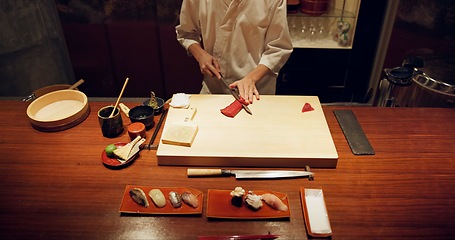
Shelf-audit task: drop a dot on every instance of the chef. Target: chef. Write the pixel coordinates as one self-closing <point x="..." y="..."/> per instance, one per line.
<point x="242" y="42"/>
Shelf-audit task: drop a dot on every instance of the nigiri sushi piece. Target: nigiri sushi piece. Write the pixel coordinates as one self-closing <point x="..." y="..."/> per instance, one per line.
<point x="237" y="196"/>
<point x="274" y="202"/>
<point x="139" y="197"/>
<point x="157" y="197"/>
<point x="190" y="199"/>
<point x="253" y="201"/>
<point x="175" y="198"/>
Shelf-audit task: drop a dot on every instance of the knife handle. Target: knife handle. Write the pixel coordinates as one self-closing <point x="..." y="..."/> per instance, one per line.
<point x="192" y="172"/>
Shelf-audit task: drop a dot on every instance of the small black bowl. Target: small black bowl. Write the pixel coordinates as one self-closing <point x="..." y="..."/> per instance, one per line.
<point x="143" y="114"/>
<point x="160" y="102"/>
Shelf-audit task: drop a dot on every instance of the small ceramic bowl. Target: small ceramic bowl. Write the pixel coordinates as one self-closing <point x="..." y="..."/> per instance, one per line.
<point x="136" y="129"/>
<point x="143" y="114"/>
<point x="160" y="102"/>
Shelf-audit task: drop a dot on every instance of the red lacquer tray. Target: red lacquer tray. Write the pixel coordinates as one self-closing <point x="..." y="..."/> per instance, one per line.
<point x="219" y="206"/>
<point x="128" y="205"/>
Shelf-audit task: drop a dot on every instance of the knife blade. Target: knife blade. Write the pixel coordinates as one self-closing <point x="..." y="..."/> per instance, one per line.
<point x="236" y="96"/>
<point x="244" y="174"/>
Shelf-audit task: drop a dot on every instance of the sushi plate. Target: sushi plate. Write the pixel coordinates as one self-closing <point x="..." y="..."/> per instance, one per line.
<point x="128" y="205"/>
<point x="219" y="206"/>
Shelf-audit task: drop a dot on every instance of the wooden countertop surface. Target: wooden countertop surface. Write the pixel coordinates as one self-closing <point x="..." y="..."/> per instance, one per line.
<point x="54" y="185"/>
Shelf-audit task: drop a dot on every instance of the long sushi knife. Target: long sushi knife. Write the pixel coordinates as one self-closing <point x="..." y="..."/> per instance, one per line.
<point x="236" y="96"/>
<point x="244" y="174"/>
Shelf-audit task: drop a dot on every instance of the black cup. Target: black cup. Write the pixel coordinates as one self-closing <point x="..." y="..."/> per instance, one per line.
<point x="143" y="114"/>
<point x="110" y="127"/>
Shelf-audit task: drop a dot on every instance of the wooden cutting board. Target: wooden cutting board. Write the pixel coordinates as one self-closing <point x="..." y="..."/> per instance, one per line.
<point x="278" y="134"/>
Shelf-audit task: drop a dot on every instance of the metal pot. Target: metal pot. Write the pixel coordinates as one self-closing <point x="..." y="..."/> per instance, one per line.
<point x="429" y="84"/>
<point x="433" y="85"/>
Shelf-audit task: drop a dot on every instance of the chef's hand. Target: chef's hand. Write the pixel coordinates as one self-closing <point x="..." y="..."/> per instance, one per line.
<point x="247" y="85"/>
<point x="247" y="89"/>
<point x="207" y="63"/>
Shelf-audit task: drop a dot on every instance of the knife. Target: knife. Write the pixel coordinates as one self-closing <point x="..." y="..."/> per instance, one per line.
<point x="236" y="96"/>
<point x="242" y="174"/>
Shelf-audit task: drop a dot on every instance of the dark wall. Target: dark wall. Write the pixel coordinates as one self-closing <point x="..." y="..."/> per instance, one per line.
<point x="422" y="27"/>
<point x="111" y="40"/>
<point x="32" y="47"/>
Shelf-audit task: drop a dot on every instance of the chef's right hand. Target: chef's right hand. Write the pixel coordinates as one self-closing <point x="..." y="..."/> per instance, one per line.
<point x="207" y="63"/>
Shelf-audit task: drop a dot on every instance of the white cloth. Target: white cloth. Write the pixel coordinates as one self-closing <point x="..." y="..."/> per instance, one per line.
<point x="241" y="35"/>
<point x="180" y="100"/>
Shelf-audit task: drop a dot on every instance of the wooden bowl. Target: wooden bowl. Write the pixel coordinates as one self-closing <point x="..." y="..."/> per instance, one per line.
<point x="58" y="110"/>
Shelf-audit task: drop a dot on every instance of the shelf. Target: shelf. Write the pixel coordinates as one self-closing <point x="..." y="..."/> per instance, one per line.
<point x="317" y="32"/>
<point x="324" y="44"/>
<point x="320" y="31"/>
<point x="332" y="14"/>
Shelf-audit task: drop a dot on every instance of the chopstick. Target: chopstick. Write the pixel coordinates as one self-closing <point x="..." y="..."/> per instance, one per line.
<point x="118" y="99"/>
<point x="157" y="128"/>
<point x="239" y="237"/>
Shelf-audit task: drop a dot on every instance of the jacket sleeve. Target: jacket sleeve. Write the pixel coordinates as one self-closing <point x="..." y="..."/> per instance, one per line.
<point x="188" y="31"/>
<point x="278" y="46"/>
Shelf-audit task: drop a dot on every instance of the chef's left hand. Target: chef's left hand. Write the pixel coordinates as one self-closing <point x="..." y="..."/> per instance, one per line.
<point x="247" y="89"/>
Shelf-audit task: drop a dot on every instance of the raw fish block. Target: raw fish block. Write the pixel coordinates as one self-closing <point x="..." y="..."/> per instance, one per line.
<point x="234" y="108"/>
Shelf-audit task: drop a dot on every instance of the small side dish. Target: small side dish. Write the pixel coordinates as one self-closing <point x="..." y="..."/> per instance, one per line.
<point x="315" y="212"/>
<point x="112" y="161"/>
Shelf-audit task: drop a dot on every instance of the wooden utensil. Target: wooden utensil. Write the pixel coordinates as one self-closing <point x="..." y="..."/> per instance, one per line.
<point x="118" y="99"/>
<point x="75" y="85"/>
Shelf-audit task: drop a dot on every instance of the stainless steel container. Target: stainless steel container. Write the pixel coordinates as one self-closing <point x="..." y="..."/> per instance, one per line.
<point x="433" y="85"/>
<point x="429" y="85"/>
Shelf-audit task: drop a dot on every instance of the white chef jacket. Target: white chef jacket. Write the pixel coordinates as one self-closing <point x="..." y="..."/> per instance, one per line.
<point x="241" y="34"/>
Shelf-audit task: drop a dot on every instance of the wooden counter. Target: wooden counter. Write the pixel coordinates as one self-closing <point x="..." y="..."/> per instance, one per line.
<point x="54" y="185"/>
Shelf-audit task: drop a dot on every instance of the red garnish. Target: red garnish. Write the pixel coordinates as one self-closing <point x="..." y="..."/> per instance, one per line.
<point x="307" y="108"/>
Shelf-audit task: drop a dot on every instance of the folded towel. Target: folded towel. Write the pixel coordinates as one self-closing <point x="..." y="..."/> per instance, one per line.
<point x="180" y="100"/>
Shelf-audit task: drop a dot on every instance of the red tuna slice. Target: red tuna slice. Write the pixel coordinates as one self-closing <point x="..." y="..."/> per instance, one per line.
<point x="307" y="108"/>
<point x="234" y="108"/>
